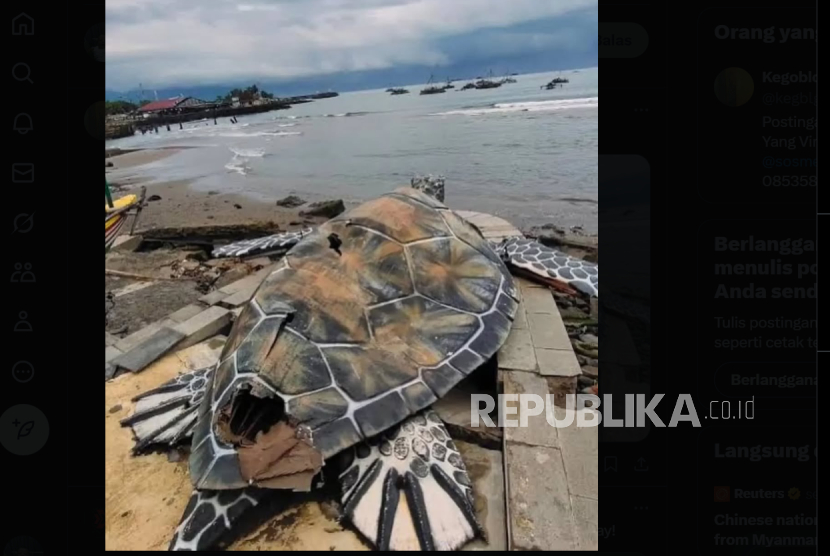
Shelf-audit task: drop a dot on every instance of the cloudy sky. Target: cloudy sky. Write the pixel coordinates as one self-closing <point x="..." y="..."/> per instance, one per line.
<point x="347" y="43"/>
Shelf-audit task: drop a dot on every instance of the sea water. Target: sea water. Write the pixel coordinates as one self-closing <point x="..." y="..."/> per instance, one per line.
<point x="519" y="151"/>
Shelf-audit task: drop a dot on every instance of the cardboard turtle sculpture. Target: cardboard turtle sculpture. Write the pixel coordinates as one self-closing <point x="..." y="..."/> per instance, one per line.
<point x="368" y="320"/>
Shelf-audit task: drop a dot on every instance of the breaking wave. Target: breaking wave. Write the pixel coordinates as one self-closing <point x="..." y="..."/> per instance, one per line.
<point x="247" y="153"/>
<point x="535" y="106"/>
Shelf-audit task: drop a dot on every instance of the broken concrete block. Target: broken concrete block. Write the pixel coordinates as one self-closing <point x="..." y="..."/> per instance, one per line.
<point x="187" y="312"/>
<point x="129" y="342"/>
<point x="557" y="362"/>
<point x="110" y="339"/>
<point x="538" y="431"/>
<point x="487" y="475"/>
<point x="538" y="505"/>
<point x="517" y="352"/>
<point x="204" y="325"/>
<point x="213" y="297"/>
<point x="548" y="331"/>
<point x="111" y="353"/>
<point x="149" y="350"/>
<point x="127" y="243"/>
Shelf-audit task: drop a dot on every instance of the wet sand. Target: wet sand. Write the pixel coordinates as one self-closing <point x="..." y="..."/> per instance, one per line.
<point x="179" y="205"/>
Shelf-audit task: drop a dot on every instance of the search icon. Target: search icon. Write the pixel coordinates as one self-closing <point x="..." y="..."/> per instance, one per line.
<point x="23" y="73"/>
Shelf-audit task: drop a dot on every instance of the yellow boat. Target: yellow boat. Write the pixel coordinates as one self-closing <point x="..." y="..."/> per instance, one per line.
<point x="115" y="214"/>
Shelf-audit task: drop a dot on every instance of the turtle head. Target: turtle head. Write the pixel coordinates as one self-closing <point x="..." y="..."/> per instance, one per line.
<point x="434" y="187"/>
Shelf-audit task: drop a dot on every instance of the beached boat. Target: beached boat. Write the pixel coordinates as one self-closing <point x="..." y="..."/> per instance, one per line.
<point x="488" y="83"/>
<point x="116" y="212"/>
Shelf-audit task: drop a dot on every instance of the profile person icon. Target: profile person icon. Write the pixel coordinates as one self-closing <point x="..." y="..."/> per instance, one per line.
<point x="23" y="273"/>
<point x="23" y="325"/>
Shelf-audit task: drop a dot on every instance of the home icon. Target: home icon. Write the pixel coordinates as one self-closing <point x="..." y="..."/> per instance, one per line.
<point x="23" y="24"/>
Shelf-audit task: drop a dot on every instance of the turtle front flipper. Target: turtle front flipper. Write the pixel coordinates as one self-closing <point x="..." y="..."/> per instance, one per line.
<point x="550" y="265"/>
<point x="209" y="516"/>
<point x="268" y="245"/>
<point x="408" y="489"/>
<point x="167" y="414"/>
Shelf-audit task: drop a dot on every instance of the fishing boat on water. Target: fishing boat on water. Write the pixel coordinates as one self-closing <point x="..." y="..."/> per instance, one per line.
<point x="399" y="91"/>
<point x="432" y="89"/>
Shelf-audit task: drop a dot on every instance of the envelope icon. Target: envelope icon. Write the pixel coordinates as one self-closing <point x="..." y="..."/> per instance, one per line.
<point x="23" y="172"/>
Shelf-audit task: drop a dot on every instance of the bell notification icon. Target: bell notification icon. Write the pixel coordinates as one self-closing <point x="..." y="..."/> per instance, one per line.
<point x="22" y="124"/>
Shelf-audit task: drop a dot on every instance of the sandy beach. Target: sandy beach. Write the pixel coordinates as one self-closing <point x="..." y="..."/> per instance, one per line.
<point x="176" y="204"/>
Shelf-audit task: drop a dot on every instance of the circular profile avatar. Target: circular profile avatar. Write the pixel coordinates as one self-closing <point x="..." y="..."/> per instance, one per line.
<point x="734" y="86"/>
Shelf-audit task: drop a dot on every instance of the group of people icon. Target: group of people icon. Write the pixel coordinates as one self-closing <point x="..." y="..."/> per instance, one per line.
<point x="23" y="273"/>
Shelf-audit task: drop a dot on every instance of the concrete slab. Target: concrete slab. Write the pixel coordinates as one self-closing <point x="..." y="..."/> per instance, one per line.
<point x="487" y="475"/>
<point x="110" y="339"/>
<point x="548" y="331"/>
<point x="517" y="352"/>
<point x="132" y="288"/>
<point x="252" y="280"/>
<point x="537" y="432"/>
<point x="213" y="297"/>
<point x="520" y="320"/>
<point x="139" y="357"/>
<point x="538" y="300"/>
<point x="580" y="452"/>
<point x="204" y="325"/>
<point x="127" y="243"/>
<point x="540" y="514"/>
<point x="586" y="520"/>
<point x="187" y="312"/>
<point x="557" y="362"/>
<point x="524" y="283"/>
<point x="454" y="411"/>
<point x="111" y="353"/>
<point x="129" y="342"/>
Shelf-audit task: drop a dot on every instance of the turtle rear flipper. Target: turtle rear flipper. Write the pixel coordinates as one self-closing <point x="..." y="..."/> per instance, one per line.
<point x="209" y="516"/>
<point x="409" y="490"/>
<point x="167" y="414"/>
<point x="551" y="266"/>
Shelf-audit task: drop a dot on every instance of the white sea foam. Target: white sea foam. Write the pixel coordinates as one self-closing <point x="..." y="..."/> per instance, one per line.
<point x="534" y="106"/>
<point x="261" y="134"/>
<point x="247" y="153"/>
<point x="286" y="125"/>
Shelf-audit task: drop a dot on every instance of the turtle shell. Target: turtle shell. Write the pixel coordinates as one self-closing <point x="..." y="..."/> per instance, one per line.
<point x="369" y="319"/>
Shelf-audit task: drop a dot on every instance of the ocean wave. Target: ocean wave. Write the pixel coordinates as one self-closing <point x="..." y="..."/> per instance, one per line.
<point x="247" y="153"/>
<point x="286" y="125"/>
<point x="261" y="134"/>
<point x="238" y="165"/>
<point x="532" y="106"/>
<point x="346" y="114"/>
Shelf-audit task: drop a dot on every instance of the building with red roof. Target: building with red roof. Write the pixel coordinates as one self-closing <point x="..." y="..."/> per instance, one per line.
<point x="173" y="106"/>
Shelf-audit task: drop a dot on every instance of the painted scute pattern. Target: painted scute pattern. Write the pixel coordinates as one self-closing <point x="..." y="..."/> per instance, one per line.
<point x="368" y="320"/>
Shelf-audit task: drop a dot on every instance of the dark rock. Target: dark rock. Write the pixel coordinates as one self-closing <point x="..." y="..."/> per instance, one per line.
<point x="327" y="209"/>
<point x="584" y="381"/>
<point x="115" y="408"/>
<point x="237" y="206"/>
<point x="292" y="201"/>
<point x="295" y="223"/>
<point x="110" y="164"/>
<point x="154" y="198"/>
<point x="591" y="371"/>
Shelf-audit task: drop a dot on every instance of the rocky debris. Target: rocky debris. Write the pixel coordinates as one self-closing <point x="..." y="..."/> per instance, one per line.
<point x="327" y="209"/>
<point x="110" y="164"/>
<point x="211" y="234"/>
<point x="574" y="242"/>
<point x="292" y="201"/>
<point x="237" y="206"/>
<point x="154" y="198"/>
<point x="582" y="325"/>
